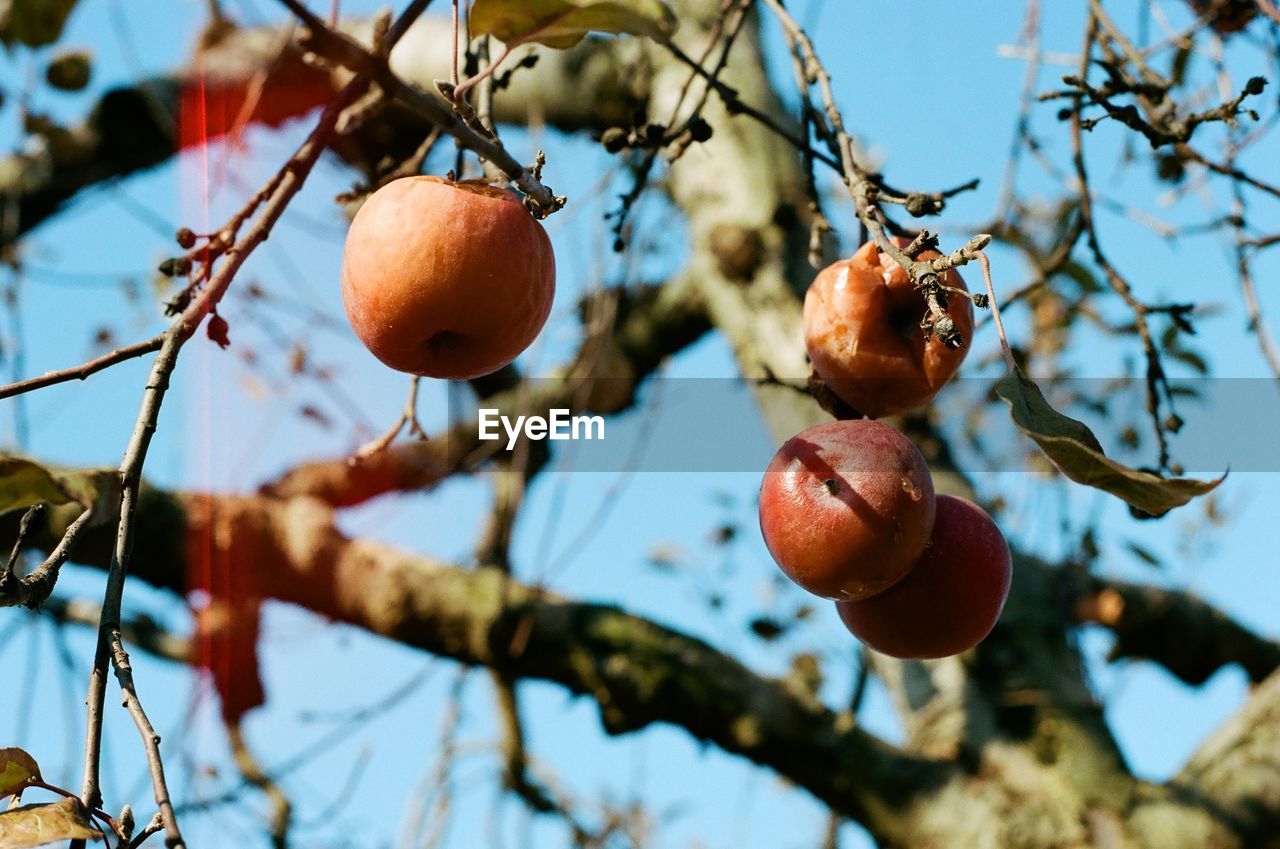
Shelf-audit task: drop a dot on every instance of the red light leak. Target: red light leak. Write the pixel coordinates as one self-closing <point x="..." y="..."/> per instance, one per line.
<point x="227" y="624"/>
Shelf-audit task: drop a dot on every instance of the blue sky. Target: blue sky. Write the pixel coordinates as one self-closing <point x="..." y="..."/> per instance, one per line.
<point x="939" y="116"/>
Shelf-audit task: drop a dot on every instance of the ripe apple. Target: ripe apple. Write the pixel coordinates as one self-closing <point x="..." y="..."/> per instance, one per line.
<point x="846" y="508"/>
<point x="862" y="329"/>
<point x="446" y="279"/>
<point x="952" y="598"/>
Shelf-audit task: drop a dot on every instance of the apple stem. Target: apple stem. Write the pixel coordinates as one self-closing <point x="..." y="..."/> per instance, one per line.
<point x="995" y="311"/>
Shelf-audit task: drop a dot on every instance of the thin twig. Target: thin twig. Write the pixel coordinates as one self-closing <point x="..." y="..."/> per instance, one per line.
<point x="1155" y="372"/>
<point x="150" y="739"/>
<point x="995" y="312"/>
<point x="345" y="51"/>
<point x="253" y="774"/>
<point x="110" y="649"/>
<point x="453" y="68"/>
<point x="33" y="589"/>
<point x="33" y="512"/>
<point x="85" y="369"/>
<point x="155" y="825"/>
<point x="408" y="416"/>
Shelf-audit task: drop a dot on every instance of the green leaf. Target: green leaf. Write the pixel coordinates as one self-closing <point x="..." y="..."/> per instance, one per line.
<point x="36" y="825"/>
<point x="16" y="768"/>
<point x="35" y="23"/>
<point x="563" y="23"/>
<point x="24" y="483"/>
<point x="1076" y="452"/>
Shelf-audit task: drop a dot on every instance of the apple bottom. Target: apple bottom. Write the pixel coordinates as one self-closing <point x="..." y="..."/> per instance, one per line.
<point x="950" y="600"/>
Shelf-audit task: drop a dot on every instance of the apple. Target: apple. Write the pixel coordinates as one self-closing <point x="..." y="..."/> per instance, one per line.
<point x="862" y="330"/>
<point x="952" y="598"/>
<point x="846" y="508"/>
<point x="446" y="279"/>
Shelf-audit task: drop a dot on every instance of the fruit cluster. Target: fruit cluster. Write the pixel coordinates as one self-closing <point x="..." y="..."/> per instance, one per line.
<point x="848" y="509"/>
<point x="454" y="279"/>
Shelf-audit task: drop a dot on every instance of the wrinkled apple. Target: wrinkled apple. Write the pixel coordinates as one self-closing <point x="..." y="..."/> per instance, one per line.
<point x="862" y="329"/>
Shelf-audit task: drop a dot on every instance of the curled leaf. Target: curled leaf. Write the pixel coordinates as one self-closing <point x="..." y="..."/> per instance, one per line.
<point x="217" y="330"/>
<point x="36" y="825"/>
<point x="16" y="769"/>
<point x="563" y="23"/>
<point x="1076" y="452"/>
<point x="24" y="483"/>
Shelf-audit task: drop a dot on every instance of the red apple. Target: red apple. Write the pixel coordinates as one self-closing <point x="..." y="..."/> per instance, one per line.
<point x="952" y="598"/>
<point x="444" y="279"/>
<point x="862" y="330"/>
<point x="846" y="508"/>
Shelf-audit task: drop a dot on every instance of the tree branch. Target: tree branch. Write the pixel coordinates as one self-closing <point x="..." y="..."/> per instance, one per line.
<point x="653" y="323"/>
<point x="636" y="671"/>
<point x="1180" y="631"/>
<point x="134" y="127"/>
<point x="1237" y="770"/>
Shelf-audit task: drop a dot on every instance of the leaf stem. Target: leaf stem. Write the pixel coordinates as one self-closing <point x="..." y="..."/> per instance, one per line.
<point x="995" y="311"/>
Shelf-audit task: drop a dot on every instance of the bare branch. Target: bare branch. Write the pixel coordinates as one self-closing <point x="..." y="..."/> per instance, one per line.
<point x="1183" y="633"/>
<point x="347" y="52"/>
<point x="33" y="589"/>
<point x="636" y="671"/>
<point x="110" y="649"/>
<point x="254" y="774"/>
<point x="85" y="369"/>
